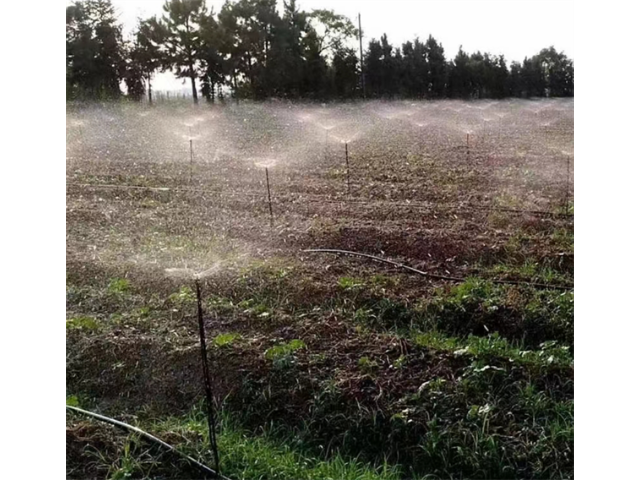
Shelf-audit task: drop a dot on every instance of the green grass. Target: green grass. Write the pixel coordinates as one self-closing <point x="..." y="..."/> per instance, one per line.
<point x="484" y="389"/>
<point x="225" y="339"/>
<point x="87" y="324"/>
<point x="242" y="455"/>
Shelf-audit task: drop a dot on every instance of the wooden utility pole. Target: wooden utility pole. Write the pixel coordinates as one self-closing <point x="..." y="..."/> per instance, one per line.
<point x="361" y="60"/>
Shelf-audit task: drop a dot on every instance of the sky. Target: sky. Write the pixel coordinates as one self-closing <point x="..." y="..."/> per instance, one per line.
<point x="513" y="28"/>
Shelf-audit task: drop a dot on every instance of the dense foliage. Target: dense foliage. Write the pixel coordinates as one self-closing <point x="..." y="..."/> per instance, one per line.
<point x="250" y="50"/>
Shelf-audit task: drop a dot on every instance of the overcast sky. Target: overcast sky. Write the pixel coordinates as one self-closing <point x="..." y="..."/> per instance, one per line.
<point x="514" y="28"/>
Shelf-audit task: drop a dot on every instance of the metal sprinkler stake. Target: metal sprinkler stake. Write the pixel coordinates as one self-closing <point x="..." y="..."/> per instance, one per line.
<point x="568" y="197"/>
<point x="468" y="146"/>
<point x="191" y="161"/>
<point x="326" y="145"/>
<point x="207" y="381"/>
<point x="266" y="170"/>
<point x="346" y="157"/>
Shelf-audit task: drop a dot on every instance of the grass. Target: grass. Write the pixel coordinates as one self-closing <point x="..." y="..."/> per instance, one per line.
<point x="242" y="454"/>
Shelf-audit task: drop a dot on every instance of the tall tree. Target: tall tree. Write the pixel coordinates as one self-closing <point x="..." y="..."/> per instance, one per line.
<point x="95" y="63"/>
<point x="437" y="68"/>
<point x="211" y="61"/>
<point x="345" y="75"/>
<point x="557" y="71"/>
<point x="515" y="87"/>
<point x="249" y="27"/>
<point x="332" y="30"/>
<point x="460" y="82"/>
<point x="373" y="68"/>
<point x="414" y="69"/>
<point x="183" y="40"/>
<point x="148" y="52"/>
<point x="533" y="77"/>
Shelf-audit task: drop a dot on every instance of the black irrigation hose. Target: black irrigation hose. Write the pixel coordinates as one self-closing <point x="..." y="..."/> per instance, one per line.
<point x="148" y="436"/>
<point x="431" y="275"/>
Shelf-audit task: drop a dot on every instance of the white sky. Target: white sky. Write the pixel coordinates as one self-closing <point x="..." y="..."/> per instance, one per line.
<point x="514" y="28"/>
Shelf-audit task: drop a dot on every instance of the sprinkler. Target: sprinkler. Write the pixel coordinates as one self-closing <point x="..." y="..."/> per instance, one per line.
<point x="266" y="171"/>
<point x="326" y="145"/>
<point x="191" y="161"/>
<point x="207" y="380"/>
<point x="346" y="157"/>
<point x="187" y="274"/>
<point x="566" y="197"/>
<point x="468" y="152"/>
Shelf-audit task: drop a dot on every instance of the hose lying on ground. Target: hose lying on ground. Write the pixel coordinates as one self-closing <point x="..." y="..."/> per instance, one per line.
<point x="150" y="437"/>
<point x="431" y="275"/>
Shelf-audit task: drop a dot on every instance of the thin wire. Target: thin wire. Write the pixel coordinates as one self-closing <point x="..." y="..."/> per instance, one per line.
<point x="322" y="199"/>
<point x="431" y="275"/>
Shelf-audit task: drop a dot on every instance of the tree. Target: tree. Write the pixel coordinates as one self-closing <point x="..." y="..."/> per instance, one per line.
<point x="332" y="30"/>
<point x="148" y="50"/>
<point x="557" y="71"/>
<point x="345" y="75"/>
<point x="183" y="40"/>
<point x="460" y="81"/>
<point x="261" y="53"/>
<point x="95" y="63"/>
<point x="533" y="77"/>
<point x="437" y="69"/>
<point x="209" y="56"/>
<point x="414" y="69"/>
<point x="515" y="87"/>
<point x="133" y="74"/>
<point x="249" y="27"/>
<point x="373" y="68"/>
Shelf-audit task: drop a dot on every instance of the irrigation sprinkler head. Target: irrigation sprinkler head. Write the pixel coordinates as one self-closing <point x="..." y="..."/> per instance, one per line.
<point x="189" y="274"/>
<point x="265" y="162"/>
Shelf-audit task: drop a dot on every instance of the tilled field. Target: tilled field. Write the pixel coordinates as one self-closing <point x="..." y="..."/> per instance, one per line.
<point x="336" y="355"/>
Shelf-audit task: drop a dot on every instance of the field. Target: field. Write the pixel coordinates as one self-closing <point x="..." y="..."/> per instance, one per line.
<point x="323" y="365"/>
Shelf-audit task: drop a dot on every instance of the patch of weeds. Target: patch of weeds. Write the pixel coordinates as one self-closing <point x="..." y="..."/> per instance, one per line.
<point x="273" y="454"/>
<point x="72" y="401"/>
<point x="499" y="219"/>
<point x="387" y="313"/>
<point x="399" y="362"/>
<point x="530" y="270"/>
<point x="349" y="283"/>
<point x="434" y="339"/>
<point x="367" y="365"/>
<point x="225" y="339"/>
<point x="184" y="296"/>
<point x="254" y="307"/>
<point x="563" y="238"/>
<point x="494" y="346"/>
<point x="480" y="307"/>
<point x="282" y="355"/>
<point x="87" y="324"/>
<point x="379" y="280"/>
<point x="284" y="349"/>
<point x="119" y="286"/>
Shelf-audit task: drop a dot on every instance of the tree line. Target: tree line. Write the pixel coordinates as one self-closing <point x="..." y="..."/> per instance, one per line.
<point x="251" y="50"/>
